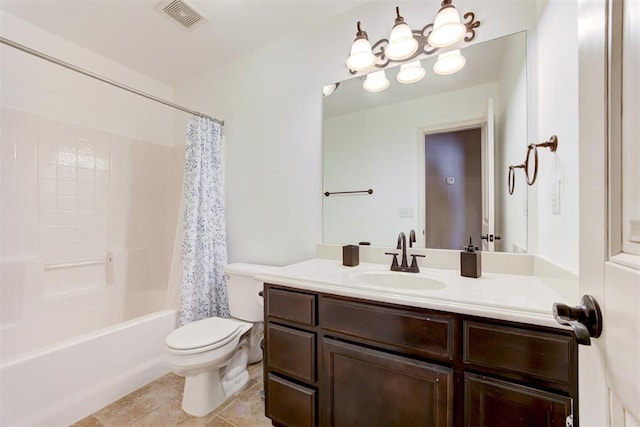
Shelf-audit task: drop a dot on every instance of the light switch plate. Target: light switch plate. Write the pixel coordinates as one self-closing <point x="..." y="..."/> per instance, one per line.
<point x="406" y="213"/>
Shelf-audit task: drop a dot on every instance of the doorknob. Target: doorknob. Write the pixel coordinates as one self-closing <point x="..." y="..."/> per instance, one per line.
<point x="585" y="319"/>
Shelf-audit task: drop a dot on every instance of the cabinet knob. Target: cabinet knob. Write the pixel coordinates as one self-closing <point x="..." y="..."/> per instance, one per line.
<point x="585" y="319"/>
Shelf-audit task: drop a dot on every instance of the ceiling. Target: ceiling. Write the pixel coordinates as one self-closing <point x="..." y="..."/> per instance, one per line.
<point x="135" y="34"/>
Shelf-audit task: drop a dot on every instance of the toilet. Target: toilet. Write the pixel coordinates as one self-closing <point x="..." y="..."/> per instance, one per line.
<point x="212" y="354"/>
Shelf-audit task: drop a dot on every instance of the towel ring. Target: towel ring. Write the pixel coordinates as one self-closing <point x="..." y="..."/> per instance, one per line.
<point x="552" y="144"/>
<point x="512" y="176"/>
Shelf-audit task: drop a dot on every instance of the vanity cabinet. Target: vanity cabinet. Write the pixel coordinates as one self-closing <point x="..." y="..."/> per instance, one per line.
<point x="338" y="361"/>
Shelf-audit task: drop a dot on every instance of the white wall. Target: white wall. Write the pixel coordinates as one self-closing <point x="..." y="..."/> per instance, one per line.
<point x="36" y="86"/>
<point x="378" y="148"/>
<point x="511" y="210"/>
<point x="555" y="105"/>
<point x="271" y="102"/>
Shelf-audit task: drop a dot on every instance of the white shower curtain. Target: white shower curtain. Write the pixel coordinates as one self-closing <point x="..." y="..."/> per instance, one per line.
<point x="204" y="248"/>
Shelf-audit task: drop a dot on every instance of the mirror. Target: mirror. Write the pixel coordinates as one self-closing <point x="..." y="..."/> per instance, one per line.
<point x="435" y="153"/>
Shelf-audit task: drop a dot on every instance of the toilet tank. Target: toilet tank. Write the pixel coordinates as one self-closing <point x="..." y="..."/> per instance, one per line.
<point x="242" y="290"/>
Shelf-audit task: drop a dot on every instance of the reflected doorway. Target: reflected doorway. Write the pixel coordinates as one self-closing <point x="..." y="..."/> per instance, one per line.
<point x="453" y="188"/>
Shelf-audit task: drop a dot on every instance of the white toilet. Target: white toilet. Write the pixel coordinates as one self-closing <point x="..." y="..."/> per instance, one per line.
<point x="212" y="354"/>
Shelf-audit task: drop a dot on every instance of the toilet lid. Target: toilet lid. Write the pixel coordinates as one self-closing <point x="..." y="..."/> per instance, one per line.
<point x="203" y="333"/>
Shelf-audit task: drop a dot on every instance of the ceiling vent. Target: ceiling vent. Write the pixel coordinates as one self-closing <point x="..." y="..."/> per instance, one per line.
<point x="182" y="12"/>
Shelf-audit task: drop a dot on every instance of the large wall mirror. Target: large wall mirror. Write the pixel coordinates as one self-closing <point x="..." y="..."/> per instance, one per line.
<point x="435" y="153"/>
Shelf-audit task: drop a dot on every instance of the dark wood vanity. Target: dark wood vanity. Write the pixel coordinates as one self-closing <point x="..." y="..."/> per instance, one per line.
<point x="337" y="361"/>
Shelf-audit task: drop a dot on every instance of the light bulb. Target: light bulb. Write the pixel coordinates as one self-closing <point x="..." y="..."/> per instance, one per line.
<point x="329" y="89"/>
<point x="360" y="58"/>
<point x="401" y="42"/>
<point x="449" y="62"/>
<point x="410" y="73"/>
<point x="447" y="28"/>
<point x="376" y="82"/>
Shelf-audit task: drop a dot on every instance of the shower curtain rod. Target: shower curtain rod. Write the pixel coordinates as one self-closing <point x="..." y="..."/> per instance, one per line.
<point x="57" y="61"/>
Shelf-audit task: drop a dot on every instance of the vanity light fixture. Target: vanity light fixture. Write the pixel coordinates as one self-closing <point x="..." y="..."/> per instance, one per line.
<point x="401" y="42"/>
<point x="447" y="28"/>
<point x="405" y="44"/>
<point x="361" y="57"/>
<point x="376" y="82"/>
<point x="449" y="62"/>
<point x="410" y="72"/>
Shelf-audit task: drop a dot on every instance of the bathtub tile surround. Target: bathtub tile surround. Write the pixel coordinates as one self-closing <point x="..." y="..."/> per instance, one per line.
<point x="158" y="403"/>
<point x="87" y="225"/>
<point x="80" y="227"/>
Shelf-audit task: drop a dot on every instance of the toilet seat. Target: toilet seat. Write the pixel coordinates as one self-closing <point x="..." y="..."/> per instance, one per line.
<point x="203" y="335"/>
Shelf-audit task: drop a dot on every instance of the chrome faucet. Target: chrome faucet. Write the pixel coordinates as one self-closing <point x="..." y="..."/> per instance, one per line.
<point x="402" y="245"/>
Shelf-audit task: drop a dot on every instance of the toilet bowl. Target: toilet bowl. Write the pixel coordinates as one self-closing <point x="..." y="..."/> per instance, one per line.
<point x="212" y="354"/>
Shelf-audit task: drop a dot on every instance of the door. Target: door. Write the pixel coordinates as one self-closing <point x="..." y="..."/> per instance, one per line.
<point x="453" y="188"/>
<point x="488" y="180"/>
<point x="366" y="387"/>
<point x="495" y="403"/>
<point x="609" y="266"/>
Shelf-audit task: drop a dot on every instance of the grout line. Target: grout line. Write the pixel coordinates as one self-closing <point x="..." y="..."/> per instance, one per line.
<point x="225" y="420"/>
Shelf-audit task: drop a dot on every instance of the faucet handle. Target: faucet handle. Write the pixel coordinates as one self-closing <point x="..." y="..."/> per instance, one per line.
<point x="394" y="263"/>
<point x="414" y="262"/>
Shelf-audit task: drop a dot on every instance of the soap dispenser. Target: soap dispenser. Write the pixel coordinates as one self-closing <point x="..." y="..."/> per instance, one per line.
<point x="470" y="262"/>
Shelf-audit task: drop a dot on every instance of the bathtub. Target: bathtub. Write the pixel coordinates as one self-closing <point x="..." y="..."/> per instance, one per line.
<point x="65" y="382"/>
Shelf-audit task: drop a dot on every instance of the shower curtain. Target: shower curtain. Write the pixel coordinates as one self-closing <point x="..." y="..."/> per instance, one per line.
<point x="204" y="248"/>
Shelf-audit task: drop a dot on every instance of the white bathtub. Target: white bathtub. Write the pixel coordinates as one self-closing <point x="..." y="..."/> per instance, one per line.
<point x="65" y="382"/>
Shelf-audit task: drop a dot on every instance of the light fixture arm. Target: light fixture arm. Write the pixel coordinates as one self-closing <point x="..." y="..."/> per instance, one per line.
<point x="421" y="36"/>
<point x="471" y="26"/>
<point x="360" y="34"/>
<point x="399" y="19"/>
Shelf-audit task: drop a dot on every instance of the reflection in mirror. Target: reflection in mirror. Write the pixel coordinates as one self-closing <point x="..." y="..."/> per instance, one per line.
<point x="436" y="154"/>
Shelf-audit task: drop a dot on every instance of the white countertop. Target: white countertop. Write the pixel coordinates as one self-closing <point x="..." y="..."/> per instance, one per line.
<point x="518" y="298"/>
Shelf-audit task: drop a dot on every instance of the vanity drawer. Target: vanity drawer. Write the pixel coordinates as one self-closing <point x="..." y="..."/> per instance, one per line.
<point x="292" y="306"/>
<point x="410" y="331"/>
<point x="292" y="352"/>
<point x="290" y="404"/>
<point x="546" y="356"/>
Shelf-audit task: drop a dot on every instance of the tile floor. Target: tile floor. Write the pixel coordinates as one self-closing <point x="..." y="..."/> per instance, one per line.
<point x="158" y="404"/>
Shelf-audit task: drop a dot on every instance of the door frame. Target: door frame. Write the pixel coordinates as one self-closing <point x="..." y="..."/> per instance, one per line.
<point x="607" y="366"/>
<point x="421" y="134"/>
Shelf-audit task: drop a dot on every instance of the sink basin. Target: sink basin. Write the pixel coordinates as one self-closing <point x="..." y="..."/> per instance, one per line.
<point x="396" y="280"/>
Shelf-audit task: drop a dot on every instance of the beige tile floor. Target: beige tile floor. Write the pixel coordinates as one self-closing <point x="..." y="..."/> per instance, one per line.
<point x="158" y="404"/>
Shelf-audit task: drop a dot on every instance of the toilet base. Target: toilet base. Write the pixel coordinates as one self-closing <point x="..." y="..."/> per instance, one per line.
<point x="206" y="391"/>
<point x="202" y="393"/>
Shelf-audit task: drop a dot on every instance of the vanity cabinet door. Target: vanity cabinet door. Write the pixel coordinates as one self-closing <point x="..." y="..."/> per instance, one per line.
<point x="494" y="403"/>
<point x="366" y="387"/>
